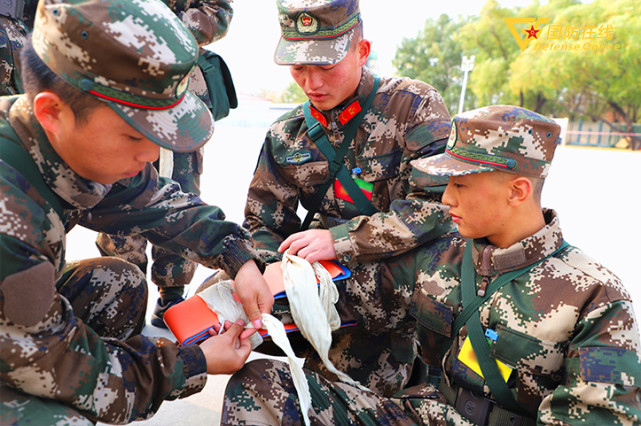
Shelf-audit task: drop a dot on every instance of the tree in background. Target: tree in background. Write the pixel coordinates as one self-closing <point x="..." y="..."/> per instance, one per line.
<point x="293" y="94"/>
<point x="435" y="58"/>
<point x="490" y="41"/>
<point x="534" y="75"/>
<point x="592" y="84"/>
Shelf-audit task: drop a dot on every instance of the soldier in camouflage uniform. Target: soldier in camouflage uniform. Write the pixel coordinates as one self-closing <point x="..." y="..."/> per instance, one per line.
<point x="77" y="148"/>
<point x="208" y="21"/>
<point x="322" y="42"/>
<point x="16" y="21"/>
<point x="562" y="325"/>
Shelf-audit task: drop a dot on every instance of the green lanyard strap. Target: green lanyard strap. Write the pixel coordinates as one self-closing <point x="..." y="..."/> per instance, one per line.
<point x="336" y="167"/>
<point x="471" y="317"/>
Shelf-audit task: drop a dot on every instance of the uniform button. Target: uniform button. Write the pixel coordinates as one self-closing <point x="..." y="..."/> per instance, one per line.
<point x="86" y="84"/>
<point x="347" y="258"/>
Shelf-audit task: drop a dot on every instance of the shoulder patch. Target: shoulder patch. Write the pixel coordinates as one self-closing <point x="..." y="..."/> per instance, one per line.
<point x="610" y="365"/>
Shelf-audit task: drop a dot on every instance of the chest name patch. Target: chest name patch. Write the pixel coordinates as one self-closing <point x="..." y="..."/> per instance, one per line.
<point x="298" y="158"/>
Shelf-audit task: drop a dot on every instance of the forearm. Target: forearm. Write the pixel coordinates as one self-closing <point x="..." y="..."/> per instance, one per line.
<point x="409" y="223"/>
<point x="50" y="352"/>
<point x="415" y="213"/>
<point x="83" y="368"/>
<point x="266" y="241"/>
<point x="177" y="221"/>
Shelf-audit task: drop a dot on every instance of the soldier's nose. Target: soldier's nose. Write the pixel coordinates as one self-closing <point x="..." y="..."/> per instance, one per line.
<point x="148" y="152"/>
<point x="314" y="80"/>
<point x="447" y="198"/>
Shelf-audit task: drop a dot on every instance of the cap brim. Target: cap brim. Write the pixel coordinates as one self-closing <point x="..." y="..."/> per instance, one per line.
<point x="313" y="52"/>
<point x="181" y="128"/>
<point x="446" y="165"/>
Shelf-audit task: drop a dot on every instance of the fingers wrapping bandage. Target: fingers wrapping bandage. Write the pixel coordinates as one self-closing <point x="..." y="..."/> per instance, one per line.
<point x="312" y="305"/>
<point x="220" y="299"/>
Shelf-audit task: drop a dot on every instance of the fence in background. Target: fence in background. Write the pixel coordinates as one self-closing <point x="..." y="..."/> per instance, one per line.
<point x="255" y="112"/>
<point x="598" y="134"/>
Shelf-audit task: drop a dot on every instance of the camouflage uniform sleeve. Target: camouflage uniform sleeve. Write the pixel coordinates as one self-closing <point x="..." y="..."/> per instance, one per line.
<point x="208" y="20"/>
<point x="415" y="219"/>
<point x="12" y="38"/>
<point x="603" y="371"/>
<point x="270" y="212"/>
<point x="45" y="350"/>
<point x="169" y="218"/>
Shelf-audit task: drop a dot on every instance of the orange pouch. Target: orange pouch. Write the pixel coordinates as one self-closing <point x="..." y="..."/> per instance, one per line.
<point x="190" y="320"/>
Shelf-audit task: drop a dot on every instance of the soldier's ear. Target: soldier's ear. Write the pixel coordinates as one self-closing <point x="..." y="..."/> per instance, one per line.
<point x="520" y="190"/>
<point x="364" y="49"/>
<point x="48" y="109"/>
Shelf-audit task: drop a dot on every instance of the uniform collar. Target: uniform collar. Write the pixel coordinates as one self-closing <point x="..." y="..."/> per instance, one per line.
<point x="67" y="184"/>
<point x="346" y="110"/>
<point x="490" y="260"/>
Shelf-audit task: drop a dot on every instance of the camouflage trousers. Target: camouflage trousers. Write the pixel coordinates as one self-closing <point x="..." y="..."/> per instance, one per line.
<point x="372" y="352"/>
<point x="262" y="392"/>
<point x="168" y="269"/>
<point x="107" y="294"/>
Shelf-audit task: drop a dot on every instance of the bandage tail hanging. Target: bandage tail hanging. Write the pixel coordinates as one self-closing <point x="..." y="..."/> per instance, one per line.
<point x="312" y="306"/>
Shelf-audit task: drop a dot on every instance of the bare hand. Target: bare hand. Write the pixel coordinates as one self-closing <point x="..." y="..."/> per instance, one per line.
<point x="253" y="292"/>
<point x="226" y="353"/>
<point x="312" y="245"/>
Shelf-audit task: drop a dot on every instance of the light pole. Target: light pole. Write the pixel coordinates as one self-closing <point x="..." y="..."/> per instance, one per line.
<point x="467" y="63"/>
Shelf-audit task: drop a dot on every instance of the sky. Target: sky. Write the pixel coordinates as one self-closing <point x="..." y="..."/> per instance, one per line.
<point x="253" y="34"/>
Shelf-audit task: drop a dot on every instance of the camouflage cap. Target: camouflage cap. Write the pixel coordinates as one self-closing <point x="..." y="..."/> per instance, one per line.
<point x="315" y="31"/>
<point x="498" y="137"/>
<point x="135" y="55"/>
